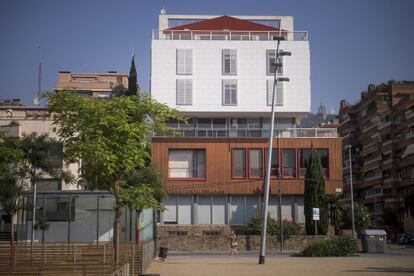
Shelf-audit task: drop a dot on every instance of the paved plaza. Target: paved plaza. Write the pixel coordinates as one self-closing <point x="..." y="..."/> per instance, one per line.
<point x="398" y="261"/>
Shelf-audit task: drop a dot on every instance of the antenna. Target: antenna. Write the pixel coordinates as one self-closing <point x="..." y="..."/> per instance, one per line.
<point x="39" y="78"/>
<point x="132" y="50"/>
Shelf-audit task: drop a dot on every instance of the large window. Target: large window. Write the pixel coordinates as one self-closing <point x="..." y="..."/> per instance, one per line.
<point x="255" y="163"/>
<point x="303" y="161"/>
<point x="239" y="163"/>
<point x="289" y="163"/>
<point x="184" y="61"/>
<point x="229" y="92"/>
<point x="271" y="60"/>
<point x="278" y="95"/>
<point x="324" y="154"/>
<point x="184" y="92"/>
<point x="229" y="62"/>
<point x="275" y="166"/>
<point x="187" y="163"/>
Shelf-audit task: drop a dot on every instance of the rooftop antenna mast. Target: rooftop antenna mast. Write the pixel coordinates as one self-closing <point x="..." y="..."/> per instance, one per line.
<point x="39" y="78"/>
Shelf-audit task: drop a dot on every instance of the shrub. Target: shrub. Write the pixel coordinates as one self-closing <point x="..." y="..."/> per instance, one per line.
<point x="362" y="217"/>
<point x="337" y="246"/>
<point x="14" y="123"/>
<point x="273" y="226"/>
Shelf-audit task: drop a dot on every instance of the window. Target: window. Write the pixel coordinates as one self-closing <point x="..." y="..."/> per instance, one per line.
<point x="271" y="60"/>
<point x="239" y="163"/>
<point x="184" y="92"/>
<point x="229" y="92"/>
<point x="255" y="163"/>
<point x="278" y="94"/>
<point x="289" y="163"/>
<point x="324" y="155"/>
<point x="229" y="62"/>
<point x="275" y="166"/>
<point x="187" y="163"/>
<point x="303" y="161"/>
<point x="184" y="61"/>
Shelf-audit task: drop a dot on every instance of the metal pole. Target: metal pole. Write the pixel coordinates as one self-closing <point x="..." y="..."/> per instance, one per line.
<point x="34" y="208"/>
<point x="268" y="168"/>
<point x="352" y="193"/>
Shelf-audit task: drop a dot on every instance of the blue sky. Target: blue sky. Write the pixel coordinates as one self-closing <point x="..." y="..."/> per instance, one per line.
<point x="353" y="43"/>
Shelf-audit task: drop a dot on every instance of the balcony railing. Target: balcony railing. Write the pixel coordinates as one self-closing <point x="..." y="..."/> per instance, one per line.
<point x="227" y="35"/>
<point x="254" y="132"/>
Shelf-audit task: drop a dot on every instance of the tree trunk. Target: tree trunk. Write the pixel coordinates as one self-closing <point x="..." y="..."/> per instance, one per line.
<point x="11" y="233"/>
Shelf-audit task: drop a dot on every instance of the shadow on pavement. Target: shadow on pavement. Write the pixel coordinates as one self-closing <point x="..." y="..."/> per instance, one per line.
<point x="385" y="269"/>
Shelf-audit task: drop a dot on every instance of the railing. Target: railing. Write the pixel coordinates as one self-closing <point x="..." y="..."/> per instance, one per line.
<point x="122" y="271"/>
<point x="409" y="113"/>
<point x="227" y="35"/>
<point x="255" y="132"/>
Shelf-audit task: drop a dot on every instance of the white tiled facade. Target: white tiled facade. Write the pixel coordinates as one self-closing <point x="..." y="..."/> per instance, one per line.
<point x="251" y="76"/>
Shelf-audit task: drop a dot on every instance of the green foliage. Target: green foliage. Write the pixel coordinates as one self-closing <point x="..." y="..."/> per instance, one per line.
<point x="337" y="246"/>
<point x="132" y="80"/>
<point x="273" y="227"/>
<point x="336" y="211"/>
<point x="315" y="195"/>
<point x="142" y="189"/>
<point x="14" y="123"/>
<point x="111" y="137"/>
<point x="362" y="217"/>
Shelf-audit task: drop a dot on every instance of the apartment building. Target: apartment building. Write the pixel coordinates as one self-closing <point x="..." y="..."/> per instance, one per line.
<point x="98" y="85"/>
<point x="218" y="71"/>
<point x="380" y="130"/>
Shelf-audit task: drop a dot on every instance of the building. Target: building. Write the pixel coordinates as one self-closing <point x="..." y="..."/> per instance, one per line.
<point x="380" y="129"/>
<point x="218" y="71"/>
<point x="98" y="85"/>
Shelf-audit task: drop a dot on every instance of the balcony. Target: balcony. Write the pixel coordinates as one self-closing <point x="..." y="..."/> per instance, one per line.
<point x="409" y="114"/>
<point x="227" y="35"/>
<point x="254" y="133"/>
<point x="373" y="176"/>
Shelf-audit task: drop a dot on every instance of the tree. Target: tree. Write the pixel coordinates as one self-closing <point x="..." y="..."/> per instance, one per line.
<point x="315" y="195"/>
<point x="336" y="211"/>
<point x="111" y="138"/>
<point x="362" y="217"/>
<point x="132" y="80"/>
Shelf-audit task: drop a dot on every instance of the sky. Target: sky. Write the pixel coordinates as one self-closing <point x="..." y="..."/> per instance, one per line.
<point x="353" y="43"/>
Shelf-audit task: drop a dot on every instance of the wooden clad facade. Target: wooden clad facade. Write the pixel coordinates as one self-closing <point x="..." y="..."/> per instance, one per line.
<point x="218" y="158"/>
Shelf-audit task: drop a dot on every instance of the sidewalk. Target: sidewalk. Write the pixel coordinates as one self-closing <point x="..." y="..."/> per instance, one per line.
<point x="220" y="263"/>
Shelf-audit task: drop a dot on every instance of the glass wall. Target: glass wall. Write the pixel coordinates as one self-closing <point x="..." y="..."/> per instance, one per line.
<point x="79" y="216"/>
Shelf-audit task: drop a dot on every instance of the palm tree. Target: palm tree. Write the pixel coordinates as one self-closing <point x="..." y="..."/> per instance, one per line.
<point x="336" y="211"/>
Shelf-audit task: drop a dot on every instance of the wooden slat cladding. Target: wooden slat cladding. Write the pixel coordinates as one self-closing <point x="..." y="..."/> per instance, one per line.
<point x="219" y="165"/>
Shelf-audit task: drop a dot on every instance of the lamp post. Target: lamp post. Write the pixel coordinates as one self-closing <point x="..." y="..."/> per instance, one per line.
<point x="269" y="152"/>
<point x="352" y="191"/>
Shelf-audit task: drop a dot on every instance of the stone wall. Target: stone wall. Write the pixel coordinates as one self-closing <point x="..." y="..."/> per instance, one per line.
<point x="215" y="238"/>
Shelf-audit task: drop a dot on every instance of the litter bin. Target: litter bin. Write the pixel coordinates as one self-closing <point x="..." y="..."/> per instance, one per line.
<point x="163" y="253"/>
<point x="373" y="241"/>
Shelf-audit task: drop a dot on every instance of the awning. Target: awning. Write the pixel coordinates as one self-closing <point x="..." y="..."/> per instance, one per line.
<point x="408" y="151"/>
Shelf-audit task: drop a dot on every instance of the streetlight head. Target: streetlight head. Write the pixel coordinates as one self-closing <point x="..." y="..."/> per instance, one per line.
<point x="282" y="79"/>
<point x="285" y="53"/>
<point x="348" y="146"/>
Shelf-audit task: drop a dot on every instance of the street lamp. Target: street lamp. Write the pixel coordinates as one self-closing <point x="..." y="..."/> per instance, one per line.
<point x="349" y="147"/>
<point x="269" y="151"/>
